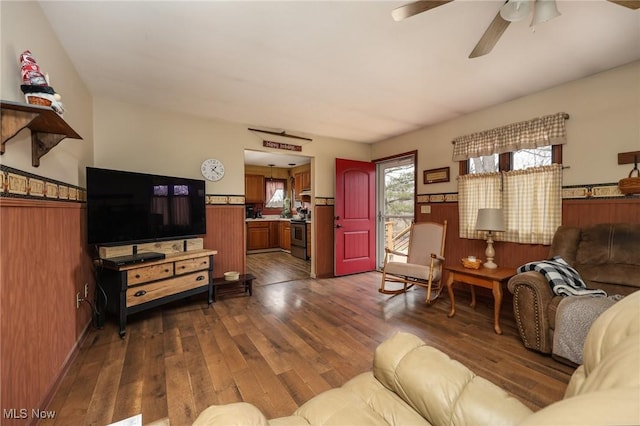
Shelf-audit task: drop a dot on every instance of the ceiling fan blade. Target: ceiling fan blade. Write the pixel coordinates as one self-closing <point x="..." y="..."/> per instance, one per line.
<point x="631" y="4"/>
<point x="490" y="36"/>
<point x="408" y="10"/>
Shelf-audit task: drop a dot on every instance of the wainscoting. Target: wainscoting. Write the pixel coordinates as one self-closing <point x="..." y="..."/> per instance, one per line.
<point x="574" y="213"/>
<point x="43" y="264"/>
<point x="226" y="234"/>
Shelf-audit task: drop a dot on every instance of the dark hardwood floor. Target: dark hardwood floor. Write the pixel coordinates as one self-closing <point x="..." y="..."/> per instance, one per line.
<point x="277" y="266"/>
<point x="280" y="347"/>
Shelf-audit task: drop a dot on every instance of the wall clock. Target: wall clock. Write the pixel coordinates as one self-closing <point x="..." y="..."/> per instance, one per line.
<point x="212" y="169"/>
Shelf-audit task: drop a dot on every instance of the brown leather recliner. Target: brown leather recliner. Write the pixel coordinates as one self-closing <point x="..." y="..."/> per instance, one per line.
<point x="607" y="256"/>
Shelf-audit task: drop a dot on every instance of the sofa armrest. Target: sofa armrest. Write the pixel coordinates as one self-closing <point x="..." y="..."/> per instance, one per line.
<point x="239" y="413"/>
<point x="531" y="298"/>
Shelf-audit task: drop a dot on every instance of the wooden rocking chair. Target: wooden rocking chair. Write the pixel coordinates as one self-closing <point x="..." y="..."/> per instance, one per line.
<point x="424" y="261"/>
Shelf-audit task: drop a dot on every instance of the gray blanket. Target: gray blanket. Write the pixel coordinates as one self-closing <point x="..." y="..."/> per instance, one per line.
<point x="574" y="317"/>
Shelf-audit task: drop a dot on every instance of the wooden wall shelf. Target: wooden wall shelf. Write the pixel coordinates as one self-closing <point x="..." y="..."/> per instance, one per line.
<point x="47" y="127"/>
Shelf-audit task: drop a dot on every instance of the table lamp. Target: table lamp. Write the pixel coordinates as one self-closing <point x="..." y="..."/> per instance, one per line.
<point x="490" y="220"/>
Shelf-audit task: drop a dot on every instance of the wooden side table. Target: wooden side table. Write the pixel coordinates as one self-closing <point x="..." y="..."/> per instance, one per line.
<point x="244" y="284"/>
<point x="483" y="277"/>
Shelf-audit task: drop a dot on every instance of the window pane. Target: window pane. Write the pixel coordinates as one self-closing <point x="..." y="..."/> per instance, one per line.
<point x="485" y="164"/>
<point x="535" y="157"/>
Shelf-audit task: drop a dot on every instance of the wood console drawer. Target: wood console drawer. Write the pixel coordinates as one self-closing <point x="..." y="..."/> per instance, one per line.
<point x="149" y="273"/>
<point x="148" y="292"/>
<point x="191" y="265"/>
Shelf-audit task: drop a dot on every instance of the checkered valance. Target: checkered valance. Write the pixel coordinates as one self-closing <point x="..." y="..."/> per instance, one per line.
<point x="539" y="132"/>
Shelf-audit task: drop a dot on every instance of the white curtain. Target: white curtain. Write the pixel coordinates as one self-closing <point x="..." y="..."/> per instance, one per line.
<point x="532" y="203"/>
<point x="477" y="191"/>
<point x="531" y="200"/>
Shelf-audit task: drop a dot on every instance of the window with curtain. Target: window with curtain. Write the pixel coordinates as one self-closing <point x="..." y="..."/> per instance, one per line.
<point x="274" y="193"/>
<point x="531" y="197"/>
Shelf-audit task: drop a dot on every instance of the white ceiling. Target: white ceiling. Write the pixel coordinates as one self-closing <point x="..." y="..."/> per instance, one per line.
<point x="342" y="69"/>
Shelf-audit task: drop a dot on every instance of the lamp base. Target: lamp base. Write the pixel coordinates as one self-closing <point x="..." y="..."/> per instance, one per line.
<point x="489" y="264"/>
<point x="490" y="253"/>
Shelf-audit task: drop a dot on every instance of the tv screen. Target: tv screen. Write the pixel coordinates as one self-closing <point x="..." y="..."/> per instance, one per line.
<point x="127" y="207"/>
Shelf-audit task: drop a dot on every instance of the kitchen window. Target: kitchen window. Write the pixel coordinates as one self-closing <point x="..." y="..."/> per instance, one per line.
<point x="275" y="193"/>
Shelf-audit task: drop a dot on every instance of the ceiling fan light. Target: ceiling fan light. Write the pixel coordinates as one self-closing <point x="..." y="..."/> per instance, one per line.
<point x="515" y="10"/>
<point x="543" y="11"/>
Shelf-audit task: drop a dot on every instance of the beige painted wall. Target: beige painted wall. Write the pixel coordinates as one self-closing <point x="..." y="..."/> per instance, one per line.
<point x="605" y="120"/>
<point x="24" y="27"/>
<point x="139" y="138"/>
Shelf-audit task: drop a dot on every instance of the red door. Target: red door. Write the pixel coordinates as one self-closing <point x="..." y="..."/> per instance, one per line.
<point x="355" y="224"/>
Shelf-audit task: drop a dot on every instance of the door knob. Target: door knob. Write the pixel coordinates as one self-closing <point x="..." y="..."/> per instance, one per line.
<point x="338" y="226"/>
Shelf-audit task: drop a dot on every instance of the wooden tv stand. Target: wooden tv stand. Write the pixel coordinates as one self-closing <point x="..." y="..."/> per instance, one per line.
<point x="137" y="287"/>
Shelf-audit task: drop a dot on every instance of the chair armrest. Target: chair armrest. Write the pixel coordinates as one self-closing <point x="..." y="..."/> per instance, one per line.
<point x="532" y="296"/>
<point x="397" y="253"/>
<point x="239" y="413"/>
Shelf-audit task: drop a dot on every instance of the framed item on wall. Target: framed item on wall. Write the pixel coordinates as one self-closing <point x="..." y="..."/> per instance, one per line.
<point x="436" y="175"/>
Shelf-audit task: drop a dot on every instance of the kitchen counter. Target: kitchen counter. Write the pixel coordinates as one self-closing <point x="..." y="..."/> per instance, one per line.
<point x="274" y="219"/>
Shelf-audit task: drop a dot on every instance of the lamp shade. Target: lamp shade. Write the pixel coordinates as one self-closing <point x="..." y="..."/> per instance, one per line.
<point x="490" y="220"/>
<point x="515" y="10"/>
<point x="543" y="11"/>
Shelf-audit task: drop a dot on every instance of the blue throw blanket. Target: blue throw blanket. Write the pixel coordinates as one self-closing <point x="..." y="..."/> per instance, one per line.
<point x="563" y="279"/>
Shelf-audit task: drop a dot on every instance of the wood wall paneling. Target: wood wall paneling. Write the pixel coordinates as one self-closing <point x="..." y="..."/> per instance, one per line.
<point x="574" y="213"/>
<point x="589" y="212"/>
<point x="324" y="241"/>
<point x="43" y="264"/>
<point x="226" y="233"/>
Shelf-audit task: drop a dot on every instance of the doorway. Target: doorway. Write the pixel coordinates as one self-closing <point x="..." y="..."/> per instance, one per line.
<point x="395" y="203"/>
<point x="274" y="265"/>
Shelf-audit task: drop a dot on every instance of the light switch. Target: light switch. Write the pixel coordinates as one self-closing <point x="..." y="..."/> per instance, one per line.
<point x="425" y="209"/>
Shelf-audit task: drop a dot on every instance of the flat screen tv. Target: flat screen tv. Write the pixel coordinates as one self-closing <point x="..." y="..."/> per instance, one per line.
<point x="127" y="207"/>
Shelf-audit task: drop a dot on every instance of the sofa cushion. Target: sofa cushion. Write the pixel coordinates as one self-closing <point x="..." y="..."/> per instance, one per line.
<point x="238" y="413"/>
<point x="363" y="400"/>
<point x="607" y="254"/>
<point x="442" y="390"/>
<point x="609" y="243"/>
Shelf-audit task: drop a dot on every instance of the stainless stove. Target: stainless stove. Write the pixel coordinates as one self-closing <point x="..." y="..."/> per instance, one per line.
<point x="299" y="238"/>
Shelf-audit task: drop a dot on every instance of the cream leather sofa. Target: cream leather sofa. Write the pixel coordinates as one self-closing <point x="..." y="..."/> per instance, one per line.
<point x="415" y="384"/>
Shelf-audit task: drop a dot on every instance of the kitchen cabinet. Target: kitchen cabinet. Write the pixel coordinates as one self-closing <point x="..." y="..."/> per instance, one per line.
<point x="306" y="180"/>
<point x="285" y="235"/>
<point x="274" y="234"/>
<point x="302" y="182"/>
<point x="263" y="234"/>
<point x="258" y="235"/>
<point x="254" y="188"/>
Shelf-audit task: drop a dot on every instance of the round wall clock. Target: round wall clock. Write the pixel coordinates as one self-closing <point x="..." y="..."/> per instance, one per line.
<point x="212" y="169"/>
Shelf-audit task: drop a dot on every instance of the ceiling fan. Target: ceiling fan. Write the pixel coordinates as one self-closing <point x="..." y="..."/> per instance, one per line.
<point x="511" y="11"/>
